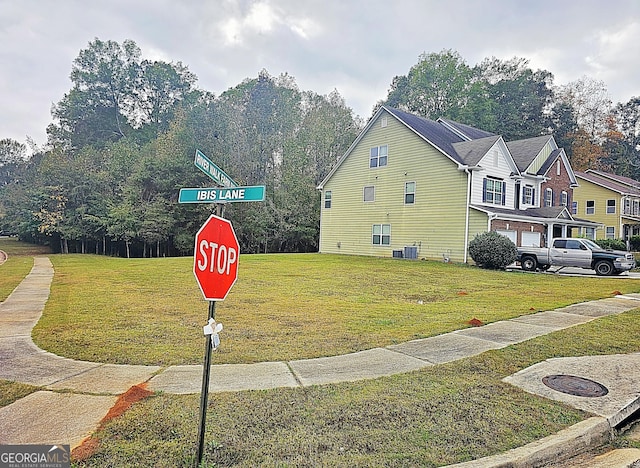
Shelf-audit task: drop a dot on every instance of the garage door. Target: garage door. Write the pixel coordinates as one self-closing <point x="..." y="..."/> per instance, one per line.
<point x="513" y="235"/>
<point x="530" y="239"/>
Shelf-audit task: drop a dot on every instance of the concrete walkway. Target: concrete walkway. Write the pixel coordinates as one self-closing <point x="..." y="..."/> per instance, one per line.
<point x="90" y="389"/>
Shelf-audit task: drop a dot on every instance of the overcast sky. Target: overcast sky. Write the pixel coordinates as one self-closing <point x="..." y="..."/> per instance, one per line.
<point x="356" y="47"/>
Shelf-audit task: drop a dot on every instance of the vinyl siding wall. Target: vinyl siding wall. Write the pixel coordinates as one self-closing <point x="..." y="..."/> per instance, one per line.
<point x="494" y="165"/>
<point x="434" y="223"/>
<point x="590" y="191"/>
<point x="542" y="157"/>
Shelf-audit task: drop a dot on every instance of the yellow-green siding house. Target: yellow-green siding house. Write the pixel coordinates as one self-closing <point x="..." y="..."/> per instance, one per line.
<point x="418" y="188"/>
<point x="608" y="199"/>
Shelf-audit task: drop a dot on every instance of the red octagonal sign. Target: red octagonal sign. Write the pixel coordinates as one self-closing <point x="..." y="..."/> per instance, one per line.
<point x="215" y="262"/>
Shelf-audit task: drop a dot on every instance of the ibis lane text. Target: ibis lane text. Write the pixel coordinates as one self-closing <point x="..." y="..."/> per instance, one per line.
<point x="221" y="194"/>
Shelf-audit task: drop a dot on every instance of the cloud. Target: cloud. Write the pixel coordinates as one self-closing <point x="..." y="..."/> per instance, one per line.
<point x="356" y="46"/>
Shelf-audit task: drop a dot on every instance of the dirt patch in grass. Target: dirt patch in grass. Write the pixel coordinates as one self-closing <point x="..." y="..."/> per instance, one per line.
<point x="89" y="446"/>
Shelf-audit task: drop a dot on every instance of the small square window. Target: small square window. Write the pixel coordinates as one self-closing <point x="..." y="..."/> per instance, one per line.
<point x="378" y="156"/>
<point x="369" y="194"/>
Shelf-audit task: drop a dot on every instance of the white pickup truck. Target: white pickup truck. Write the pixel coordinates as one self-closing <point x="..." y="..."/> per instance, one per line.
<point x="581" y="253"/>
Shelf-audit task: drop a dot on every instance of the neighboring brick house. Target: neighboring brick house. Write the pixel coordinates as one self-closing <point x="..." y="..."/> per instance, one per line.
<point x="608" y="199"/>
<point x="424" y="188"/>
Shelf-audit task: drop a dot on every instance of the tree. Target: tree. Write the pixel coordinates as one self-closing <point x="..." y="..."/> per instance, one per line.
<point x="519" y="97"/>
<point x="162" y="88"/>
<point x="98" y="107"/>
<point x="591" y="104"/>
<point x="563" y="126"/>
<point x="436" y="86"/>
<point x="12" y="156"/>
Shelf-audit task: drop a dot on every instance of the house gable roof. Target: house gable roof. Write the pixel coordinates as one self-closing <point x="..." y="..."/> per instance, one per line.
<point x="463" y="144"/>
<point x="438" y="135"/>
<point x="471" y="152"/>
<point x="616" y="178"/>
<point x="465" y="131"/>
<point x="525" y="151"/>
<point x="611" y="182"/>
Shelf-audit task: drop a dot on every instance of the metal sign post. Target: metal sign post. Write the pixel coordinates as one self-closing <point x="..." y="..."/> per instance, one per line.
<point x="204" y="394"/>
<point x="215" y="263"/>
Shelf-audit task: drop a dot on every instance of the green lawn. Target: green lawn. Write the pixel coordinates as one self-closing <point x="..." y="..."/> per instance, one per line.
<point x="437" y="416"/>
<point x="283" y="307"/>
<point x="286" y="307"/>
<point x="18" y="265"/>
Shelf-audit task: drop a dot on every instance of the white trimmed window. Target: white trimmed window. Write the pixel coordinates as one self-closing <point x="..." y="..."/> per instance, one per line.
<point x="493" y="191"/>
<point x="378" y="156"/>
<point x="527" y="195"/>
<point x="369" y="194"/>
<point x="409" y="193"/>
<point x="548" y="197"/>
<point x="381" y="234"/>
<point x="564" y="198"/>
<point x="610" y="232"/>
<point x="327" y="199"/>
<point x="590" y="207"/>
<point x="611" y="206"/>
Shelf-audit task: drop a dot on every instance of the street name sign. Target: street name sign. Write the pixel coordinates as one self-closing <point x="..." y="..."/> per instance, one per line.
<point x="209" y="168"/>
<point x="253" y="193"/>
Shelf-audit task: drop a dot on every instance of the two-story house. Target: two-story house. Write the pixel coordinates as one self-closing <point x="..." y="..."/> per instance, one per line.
<point x="425" y="188"/>
<point x="609" y="199"/>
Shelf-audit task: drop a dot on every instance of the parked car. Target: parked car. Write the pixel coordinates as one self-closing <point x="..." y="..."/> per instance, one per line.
<point x="581" y="253"/>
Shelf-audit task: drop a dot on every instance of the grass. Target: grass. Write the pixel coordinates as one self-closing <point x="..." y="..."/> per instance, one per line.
<point x="11" y="391"/>
<point x="437" y="416"/>
<point x="283" y="307"/>
<point x="12" y="272"/>
<point x="18" y="264"/>
<point x="293" y="306"/>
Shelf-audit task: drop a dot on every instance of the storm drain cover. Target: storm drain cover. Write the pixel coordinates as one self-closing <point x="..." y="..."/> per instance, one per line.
<point x="576" y="386"/>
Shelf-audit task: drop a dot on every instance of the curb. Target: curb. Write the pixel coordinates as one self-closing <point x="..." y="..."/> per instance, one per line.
<point x="562" y="446"/>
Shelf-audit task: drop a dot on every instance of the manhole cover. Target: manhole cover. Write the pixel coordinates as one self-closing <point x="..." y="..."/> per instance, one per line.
<point x="576" y="386"/>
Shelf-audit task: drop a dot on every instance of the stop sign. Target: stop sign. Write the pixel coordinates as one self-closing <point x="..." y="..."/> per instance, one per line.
<point x="215" y="262"/>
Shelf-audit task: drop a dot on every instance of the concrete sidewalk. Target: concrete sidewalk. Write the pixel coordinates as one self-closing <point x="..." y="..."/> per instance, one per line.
<point x="91" y="388"/>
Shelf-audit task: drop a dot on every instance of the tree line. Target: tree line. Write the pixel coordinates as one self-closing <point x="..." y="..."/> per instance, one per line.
<point x="123" y="140"/>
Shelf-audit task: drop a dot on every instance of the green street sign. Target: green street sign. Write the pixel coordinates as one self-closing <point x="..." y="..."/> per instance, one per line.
<point x="254" y="193"/>
<point x="218" y="175"/>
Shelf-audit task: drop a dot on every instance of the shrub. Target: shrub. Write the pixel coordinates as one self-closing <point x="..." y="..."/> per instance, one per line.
<point x="635" y="243"/>
<point x="611" y="244"/>
<point x="492" y="250"/>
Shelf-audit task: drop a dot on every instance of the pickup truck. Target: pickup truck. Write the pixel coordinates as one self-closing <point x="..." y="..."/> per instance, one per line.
<point x="581" y="253"/>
